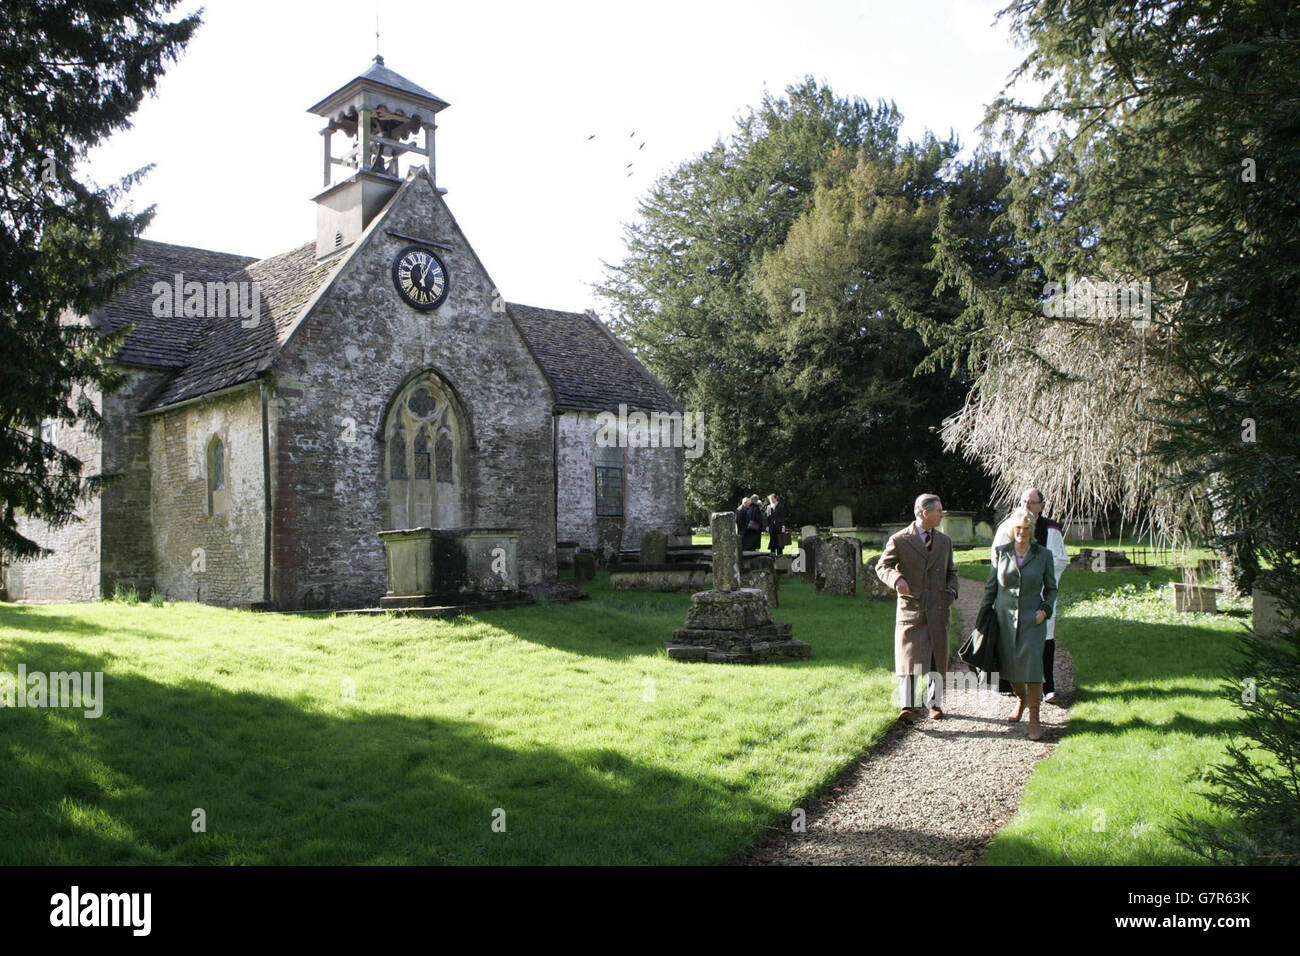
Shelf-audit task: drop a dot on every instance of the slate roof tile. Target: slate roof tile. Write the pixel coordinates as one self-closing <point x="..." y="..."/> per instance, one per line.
<point x="162" y="342"/>
<point x="226" y="353"/>
<point x="587" y="367"/>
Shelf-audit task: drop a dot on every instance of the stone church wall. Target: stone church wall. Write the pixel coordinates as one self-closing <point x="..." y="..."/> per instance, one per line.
<point x="214" y="558"/>
<point x="127" y="527"/>
<point x="71" y="572"/>
<point x="652" y="486"/>
<point x="334" y="379"/>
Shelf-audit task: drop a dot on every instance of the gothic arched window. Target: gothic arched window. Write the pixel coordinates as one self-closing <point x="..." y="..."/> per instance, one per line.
<point x="423" y="460"/>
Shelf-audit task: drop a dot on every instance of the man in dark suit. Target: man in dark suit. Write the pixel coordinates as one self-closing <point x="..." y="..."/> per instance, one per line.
<point x="749" y="521"/>
<point x="917" y="563"/>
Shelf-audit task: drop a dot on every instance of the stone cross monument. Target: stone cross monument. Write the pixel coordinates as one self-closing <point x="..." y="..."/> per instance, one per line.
<point x="731" y="623"/>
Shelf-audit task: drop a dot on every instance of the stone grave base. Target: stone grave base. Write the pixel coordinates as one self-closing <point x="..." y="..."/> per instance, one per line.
<point x="733" y="627"/>
<point x="434" y="609"/>
<point x="662" y="577"/>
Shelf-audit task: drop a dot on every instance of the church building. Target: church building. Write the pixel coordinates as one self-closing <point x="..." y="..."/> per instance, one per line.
<point x="279" y="414"/>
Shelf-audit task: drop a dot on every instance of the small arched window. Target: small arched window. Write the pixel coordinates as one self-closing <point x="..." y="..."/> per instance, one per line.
<point x="218" y="494"/>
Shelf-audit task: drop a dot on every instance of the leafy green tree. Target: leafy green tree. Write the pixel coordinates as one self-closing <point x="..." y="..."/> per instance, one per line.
<point x="687" y="298"/>
<point x="853" y="422"/>
<point x="70" y="74"/>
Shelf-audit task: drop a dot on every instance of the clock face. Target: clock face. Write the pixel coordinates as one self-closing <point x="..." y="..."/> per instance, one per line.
<point x="420" y="277"/>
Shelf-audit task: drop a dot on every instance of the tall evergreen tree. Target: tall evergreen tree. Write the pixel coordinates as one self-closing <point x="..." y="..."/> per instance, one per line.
<point x="853" y="421"/>
<point x="70" y="74"/>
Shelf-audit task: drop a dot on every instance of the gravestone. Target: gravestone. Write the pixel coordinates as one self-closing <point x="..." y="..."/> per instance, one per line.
<point x="726" y="551"/>
<point x="1099" y="559"/>
<point x="872" y="587"/>
<point x="957" y="526"/>
<point x="654" y="548"/>
<point x="1194" y="598"/>
<point x="837" y="566"/>
<point x="760" y="573"/>
<point x="984" y="533"/>
<point x="609" y="540"/>
<point x="842" y="516"/>
<point x="809" y="545"/>
<point x="808" y="531"/>
<point x="1269" y="617"/>
<point x="584" y="566"/>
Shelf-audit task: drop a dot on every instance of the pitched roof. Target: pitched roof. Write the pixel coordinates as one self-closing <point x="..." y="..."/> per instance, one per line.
<point x="381" y="75"/>
<point x="588" y="367"/>
<point x="162" y="342"/>
<point x="226" y="353"/>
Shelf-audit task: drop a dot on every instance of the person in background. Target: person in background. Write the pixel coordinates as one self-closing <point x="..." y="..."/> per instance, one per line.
<point x="775" y="524"/>
<point x="1021" y="590"/>
<point x="1048" y="533"/>
<point x="751" y="531"/>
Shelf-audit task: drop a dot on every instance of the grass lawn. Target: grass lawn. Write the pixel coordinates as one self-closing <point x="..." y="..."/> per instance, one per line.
<point x="569" y="718"/>
<point x="1150" y="717"/>
<point x="309" y="739"/>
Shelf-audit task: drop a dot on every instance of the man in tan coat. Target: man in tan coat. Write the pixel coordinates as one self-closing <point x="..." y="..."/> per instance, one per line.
<point x="917" y="563"/>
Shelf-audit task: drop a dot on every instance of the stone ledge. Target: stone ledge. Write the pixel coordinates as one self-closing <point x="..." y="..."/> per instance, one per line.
<point x="451" y="610"/>
<point x="776" y="631"/>
<point x="756" y="653"/>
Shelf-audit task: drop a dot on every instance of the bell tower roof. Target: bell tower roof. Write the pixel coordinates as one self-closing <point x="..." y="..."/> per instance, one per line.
<point x="379" y="87"/>
<point x="383" y="115"/>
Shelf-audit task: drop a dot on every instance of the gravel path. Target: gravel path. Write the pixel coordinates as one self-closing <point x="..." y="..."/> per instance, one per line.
<point x="935" y="792"/>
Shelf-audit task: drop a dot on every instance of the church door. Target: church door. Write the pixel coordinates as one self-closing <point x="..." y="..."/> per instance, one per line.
<point x="425" y="459"/>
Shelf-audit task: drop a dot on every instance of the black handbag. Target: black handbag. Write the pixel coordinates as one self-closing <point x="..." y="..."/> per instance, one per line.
<point x="980" y="649"/>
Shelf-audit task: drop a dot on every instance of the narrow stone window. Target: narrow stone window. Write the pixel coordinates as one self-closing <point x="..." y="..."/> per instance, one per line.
<point x="609" y="482"/>
<point x="218" y="494"/>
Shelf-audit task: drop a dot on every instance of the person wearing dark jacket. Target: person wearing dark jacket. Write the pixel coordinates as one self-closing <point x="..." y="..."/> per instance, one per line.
<point x="751" y="524"/>
<point x="775" y="524"/>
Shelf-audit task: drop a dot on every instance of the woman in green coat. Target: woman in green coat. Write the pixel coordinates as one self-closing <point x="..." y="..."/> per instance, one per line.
<point x="1021" y="589"/>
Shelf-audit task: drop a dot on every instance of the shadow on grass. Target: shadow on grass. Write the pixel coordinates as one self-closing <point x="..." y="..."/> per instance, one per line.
<point x="844" y="631"/>
<point x="281" y="783"/>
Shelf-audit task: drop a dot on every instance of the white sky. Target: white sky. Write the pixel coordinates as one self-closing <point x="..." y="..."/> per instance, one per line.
<point x="238" y="157"/>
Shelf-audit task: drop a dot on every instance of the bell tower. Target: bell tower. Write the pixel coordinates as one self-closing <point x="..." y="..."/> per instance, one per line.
<point x="384" y="115"/>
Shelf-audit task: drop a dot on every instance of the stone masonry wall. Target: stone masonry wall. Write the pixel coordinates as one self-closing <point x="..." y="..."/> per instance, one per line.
<point x="216" y="558"/>
<point x="334" y="379"/>
<point x="653" y="489"/>
<point x="126" y="535"/>
<point x="71" y="572"/>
